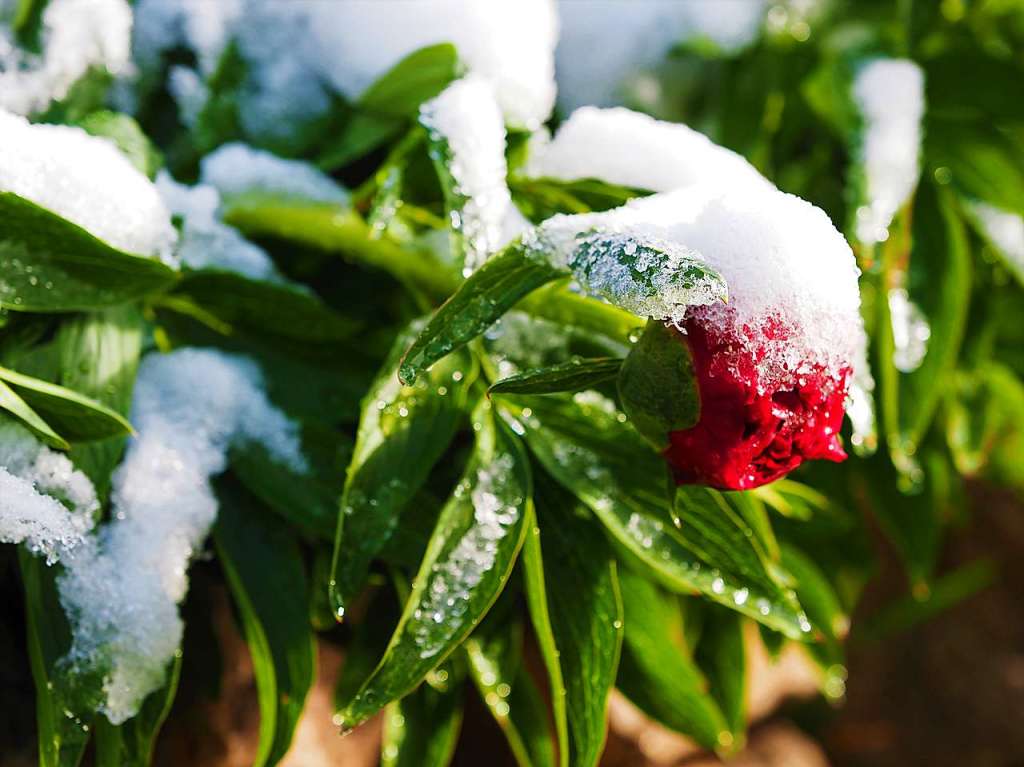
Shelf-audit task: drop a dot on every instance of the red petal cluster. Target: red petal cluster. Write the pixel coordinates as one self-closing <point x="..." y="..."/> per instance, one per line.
<point x="753" y="428"/>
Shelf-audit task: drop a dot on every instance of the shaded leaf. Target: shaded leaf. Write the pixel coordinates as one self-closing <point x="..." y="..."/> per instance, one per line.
<point x="572" y="590"/>
<point x="720" y="654"/>
<point x="495" y="664"/>
<point x="421" y="729"/>
<point x="657" y="672"/>
<point x="16" y="406"/>
<point x="77" y="417"/>
<point x="131" y="744"/>
<point x="62" y="738"/>
<point x="268" y="308"/>
<point x="265" y="572"/>
<point x="51" y="265"/>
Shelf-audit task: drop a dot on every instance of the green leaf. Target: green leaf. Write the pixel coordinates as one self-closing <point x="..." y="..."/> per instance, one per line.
<point x="541" y="198"/>
<point x="416" y="78"/>
<point x="51" y="265"/>
<point x="961" y="84"/>
<point x="985" y="423"/>
<point x="979" y="159"/>
<point x="126" y="134"/>
<point x="131" y="744"/>
<point x="99" y="355"/>
<point x="940" y="284"/>
<point x="639" y="273"/>
<point x="12" y="403"/>
<point x="720" y="536"/>
<point x="62" y="738"/>
<point x="422" y="729"/>
<point x="488" y="293"/>
<point x="308" y="501"/>
<point x="78" y="418"/>
<point x="265" y="572"/>
<point x="335" y="229"/>
<point x="268" y="308"/>
<point x="572" y="591"/>
<point x="589" y="447"/>
<point x="816" y="594"/>
<point x="494" y="655"/>
<point x="362" y="133"/>
<point x="657" y="385"/>
<point x="403" y="431"/>
<point x="468" y="561"/>
<point x="657" y="672"/>
<point x="575" y="375"/>
<point x="721" y="656"/>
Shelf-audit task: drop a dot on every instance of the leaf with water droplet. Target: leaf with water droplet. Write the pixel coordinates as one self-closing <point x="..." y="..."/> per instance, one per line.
<point x="589" y="447"/>
<point x="48" y="264"/>
<point x="658" y="672"/>
<point x="572" y="591"/>
<point x="575" y="375"/>
<point x="469" y="558"/>
<point x="422" y="729"/>
<point x="488" y="293"/>
<point x="494" y="655"/>
<point x="403" y="431"/>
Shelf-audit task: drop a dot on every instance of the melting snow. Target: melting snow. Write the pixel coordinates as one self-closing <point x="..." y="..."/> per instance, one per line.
<point x="121" y="592"/>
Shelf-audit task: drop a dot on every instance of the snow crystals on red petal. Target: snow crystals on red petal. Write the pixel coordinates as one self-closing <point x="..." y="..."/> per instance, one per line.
<point x="756" y="423"/>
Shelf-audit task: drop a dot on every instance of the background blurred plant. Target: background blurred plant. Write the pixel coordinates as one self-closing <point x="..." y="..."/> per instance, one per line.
<point x="503" y="499"/>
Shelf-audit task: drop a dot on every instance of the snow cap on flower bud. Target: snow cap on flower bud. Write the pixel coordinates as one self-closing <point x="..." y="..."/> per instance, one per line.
<point x="773" y="363"/>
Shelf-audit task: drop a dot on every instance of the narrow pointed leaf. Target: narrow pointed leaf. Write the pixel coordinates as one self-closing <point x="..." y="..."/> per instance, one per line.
<point x="422" y="729"/>
<point x="403" y="431"/>
<point x="575" y="375"/>
<point x="572" y="591"/>
<point x="494" y="656"/>
<point x="51" y="265"/>
<point x="488" y="293"/>
<point x="721" y="656"/>
<point x="657" y="672"/>
<point x="264" y="570"/>
<point x="16" y="406"/>
<point x="62" y="738"/>
<point x="467" y="563"/>
<point x="590" y="448"/>
<point x="78" y="418"/>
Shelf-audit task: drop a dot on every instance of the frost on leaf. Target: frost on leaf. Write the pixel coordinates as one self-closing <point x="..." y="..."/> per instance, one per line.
<point x="121" y="591"/>
<point x="44" y="501"/>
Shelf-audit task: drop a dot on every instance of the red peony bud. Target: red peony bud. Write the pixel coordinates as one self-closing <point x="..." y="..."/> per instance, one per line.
<point x="755" y="424"/>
